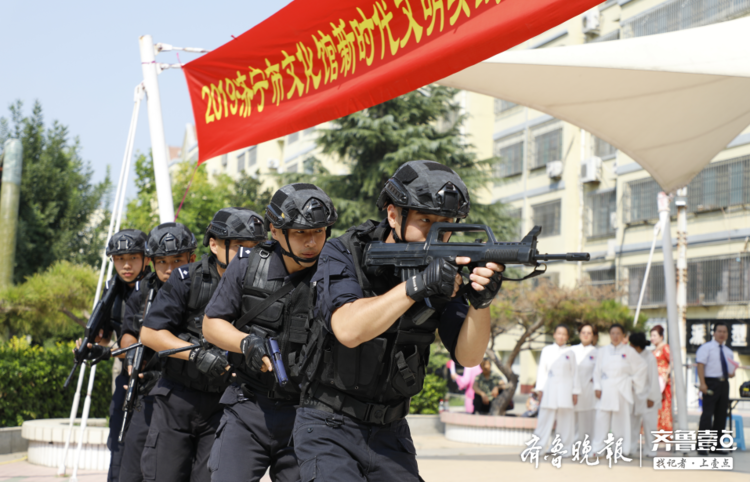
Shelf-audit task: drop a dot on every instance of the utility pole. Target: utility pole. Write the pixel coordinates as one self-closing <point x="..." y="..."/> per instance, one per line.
<point x="673" y="326"/>
<point x="10" y="196"/>
<point x="682" y="278"/>
<point x="156" y="128"/>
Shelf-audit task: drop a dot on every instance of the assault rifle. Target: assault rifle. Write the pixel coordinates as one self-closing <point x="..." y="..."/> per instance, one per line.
<point x="411" y="258"/>
<point x="132" y="394"/>
<point x="98" y="321"/>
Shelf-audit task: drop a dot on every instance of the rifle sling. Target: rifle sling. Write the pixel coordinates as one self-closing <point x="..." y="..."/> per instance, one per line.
<point x="261" y="307"/>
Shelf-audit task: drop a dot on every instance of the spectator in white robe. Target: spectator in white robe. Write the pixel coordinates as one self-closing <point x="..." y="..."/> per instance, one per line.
<point x="585" y="353"/>
<point x="558" y="393"/>
<point x="619" y="372"/>
<point x="645" y="407"/>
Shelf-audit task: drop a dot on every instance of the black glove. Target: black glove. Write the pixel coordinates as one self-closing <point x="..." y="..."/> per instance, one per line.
<point x="438" y="279"/>
<point x="209" y="362"/>
<point x="254" y="350"/>
<point x="99" y="353"/>
<point x="483" y="299"/>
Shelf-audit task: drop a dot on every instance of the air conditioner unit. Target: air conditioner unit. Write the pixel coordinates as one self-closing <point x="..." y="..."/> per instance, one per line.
<point x="591" y="170"/>
<point x="554" y="169"/>
<point x="591" y="22"/>
<point x="273" y="163"/>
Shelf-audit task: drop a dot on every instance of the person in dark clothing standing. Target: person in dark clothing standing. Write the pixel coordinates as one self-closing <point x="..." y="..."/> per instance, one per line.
<point x="187" y="410"/>
<point x="256" y="429"/>
<point x="714" y="372"/>
<point x="371" y="341"/>
<point x="127" y="248"/>
<point x="170" y="245"/>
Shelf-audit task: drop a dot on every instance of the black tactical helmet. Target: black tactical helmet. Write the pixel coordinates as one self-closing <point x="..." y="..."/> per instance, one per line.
<point x="426" y="186"/>
<point x="235" y="223"/>
<point x="127" y="241"/>
<point x="169" y="239"/>
<point x="300" y="206"/>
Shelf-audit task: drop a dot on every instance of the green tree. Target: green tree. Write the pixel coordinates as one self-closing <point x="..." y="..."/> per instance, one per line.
<point x="373" y="143"/>
<point x="62" y="214"/>
<point x="205" y="196"/>
<point x="49" y="306"/>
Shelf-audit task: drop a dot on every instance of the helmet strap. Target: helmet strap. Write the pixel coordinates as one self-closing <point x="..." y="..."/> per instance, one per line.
<point x="404" y="215"/>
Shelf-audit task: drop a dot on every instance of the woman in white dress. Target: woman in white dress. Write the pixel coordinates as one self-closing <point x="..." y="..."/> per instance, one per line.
<point x="586" y="358"/>
<point x="619" y="372"/>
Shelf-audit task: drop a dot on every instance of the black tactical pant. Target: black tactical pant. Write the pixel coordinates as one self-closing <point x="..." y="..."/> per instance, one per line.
<point x="255" y="433"/>
<point x="183" y="429"/>
<point x="135" y="440"/>
<point x="337" y="448"/>
<point x="115" y="424"/>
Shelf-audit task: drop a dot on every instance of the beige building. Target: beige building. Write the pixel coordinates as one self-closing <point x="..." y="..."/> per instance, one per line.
<point x="586" y="194"/>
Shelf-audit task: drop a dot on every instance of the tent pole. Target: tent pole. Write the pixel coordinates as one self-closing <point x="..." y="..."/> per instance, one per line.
<point x="156" y="127"/>
<point x="682" y="279"/>
<point x="673" y="328"/>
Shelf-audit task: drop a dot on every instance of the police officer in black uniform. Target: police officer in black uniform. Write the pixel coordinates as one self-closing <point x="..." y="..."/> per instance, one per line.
<point x="127" y="248"/>
<point x="187" y="410"/>
<point x="373" y="334"/>
<point x="266" y="293"/>
<point x="170" y="246"/>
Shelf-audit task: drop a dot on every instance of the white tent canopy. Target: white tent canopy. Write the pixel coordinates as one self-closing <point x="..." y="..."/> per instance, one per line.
<point x="671" y="101"/>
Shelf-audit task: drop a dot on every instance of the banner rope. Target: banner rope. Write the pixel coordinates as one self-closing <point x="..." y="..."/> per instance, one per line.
<point x="186" y="191"/>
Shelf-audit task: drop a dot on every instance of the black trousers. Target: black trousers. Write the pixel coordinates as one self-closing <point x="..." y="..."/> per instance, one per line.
<point x="135" y="440"/>
<point x="255" y="434"/>
<point x="182" y="432"/>
<point x="115" y="424"/>
<point x="337" y="448"/>
<point x="479" y="406"/>
<point x="716" y="406"/>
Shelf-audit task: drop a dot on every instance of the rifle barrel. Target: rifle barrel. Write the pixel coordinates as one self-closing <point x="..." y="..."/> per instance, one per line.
<point x="173" y="351"/>
<point x="564" y="257"/>
<point x="127" y="349"/>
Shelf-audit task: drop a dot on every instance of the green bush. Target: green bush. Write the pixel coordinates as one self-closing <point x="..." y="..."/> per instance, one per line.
<point x="31" y="379"/>
<point x="428" y="400"/>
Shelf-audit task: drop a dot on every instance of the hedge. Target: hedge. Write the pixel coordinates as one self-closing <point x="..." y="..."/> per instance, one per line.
<point x="428" y="400"/>
<point x="31" y="379"/>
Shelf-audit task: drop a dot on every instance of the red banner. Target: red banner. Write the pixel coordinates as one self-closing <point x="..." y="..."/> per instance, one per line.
<point x="315" y="61"/>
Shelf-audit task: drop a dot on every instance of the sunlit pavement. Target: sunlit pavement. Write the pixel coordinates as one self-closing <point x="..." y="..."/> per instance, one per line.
<point x="443" y="460"/>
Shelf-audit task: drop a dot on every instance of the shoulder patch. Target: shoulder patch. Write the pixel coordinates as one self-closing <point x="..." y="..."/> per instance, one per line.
<point x="184" y="273"/>
<point x="244" y="252"/>
<point x="106" y="285"/>
<point x="137" y="286"/>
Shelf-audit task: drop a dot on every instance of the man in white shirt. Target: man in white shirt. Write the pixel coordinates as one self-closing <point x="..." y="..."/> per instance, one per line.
<point x="619" y="372"/>
<point x="714" y="372"/>
<point x="645" y="408"/>
<point x="585" y="353"/>
<point x="558" y="391"/>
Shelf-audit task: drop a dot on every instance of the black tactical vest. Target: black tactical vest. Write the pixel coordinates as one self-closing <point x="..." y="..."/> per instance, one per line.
<point x="389" y="369"/>
<point x="204" y="278"/>
<point x="117" y="313"/>
<point x="287" y="320"/>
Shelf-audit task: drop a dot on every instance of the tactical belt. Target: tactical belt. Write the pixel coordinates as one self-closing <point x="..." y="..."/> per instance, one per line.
<point x="250" y="391"/>
<point x="334" y="401"/>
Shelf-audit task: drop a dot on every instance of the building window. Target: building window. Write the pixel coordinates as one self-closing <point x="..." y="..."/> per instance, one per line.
<point x="511" y="158"/>
<point x="639" y="201"/>
<point x="292" y="168"/>
<point x="604" y="149"/>
<point x="601" y="208"/>
<point x="503" y="105"/>
<point x="602" y="277"/>
<point x="547" y="215"/>
<point x="517" y="215"/>
<point x="293" y="138"/>
<point x="308" y="131"/>
<point x="547" y="148"/>
<point x="675" y="15"/>
<point x="224" y="161"/>
<point x="711" y="281"/>
<point x="241" y="162"/>
<point x="720" y="185"/>
<point x="252" y="156"/>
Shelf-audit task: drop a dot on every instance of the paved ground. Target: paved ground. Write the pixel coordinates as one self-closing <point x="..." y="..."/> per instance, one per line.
<point x="444" y="460"/>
